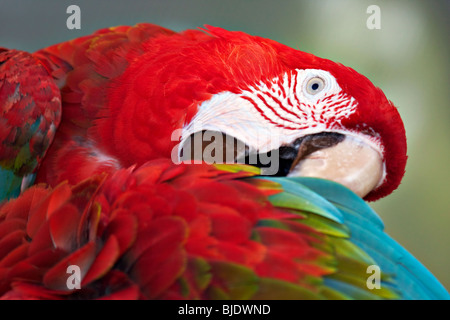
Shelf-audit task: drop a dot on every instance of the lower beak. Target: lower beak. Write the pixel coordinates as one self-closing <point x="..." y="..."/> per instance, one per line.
<point x="348" y="160"/>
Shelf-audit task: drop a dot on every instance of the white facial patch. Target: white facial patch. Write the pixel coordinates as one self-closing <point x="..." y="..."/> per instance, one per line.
<point x="270" y="114"/>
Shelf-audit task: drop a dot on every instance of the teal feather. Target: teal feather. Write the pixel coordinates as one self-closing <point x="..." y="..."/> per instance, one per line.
<point x="9" y="184"/>
<point x="412" y="279"/>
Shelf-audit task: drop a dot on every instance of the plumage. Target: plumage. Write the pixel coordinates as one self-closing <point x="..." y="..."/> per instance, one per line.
<point x="30" y="113"/>
<point x="115" y="199"/>
<point x="281" y="238"/>
<point x="185" y="240"/>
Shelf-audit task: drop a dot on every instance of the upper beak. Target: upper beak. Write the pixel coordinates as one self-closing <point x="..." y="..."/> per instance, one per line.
<point x="346" y="159"/>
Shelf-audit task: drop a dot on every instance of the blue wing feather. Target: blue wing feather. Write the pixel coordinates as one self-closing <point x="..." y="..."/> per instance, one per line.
<point x="366" y="229"/>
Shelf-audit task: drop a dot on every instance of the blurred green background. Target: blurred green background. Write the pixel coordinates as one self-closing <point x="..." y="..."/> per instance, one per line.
<point x="408" y="58"/>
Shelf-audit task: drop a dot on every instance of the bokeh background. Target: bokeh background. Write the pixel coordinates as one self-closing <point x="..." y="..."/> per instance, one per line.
<point x="408" y="58"/>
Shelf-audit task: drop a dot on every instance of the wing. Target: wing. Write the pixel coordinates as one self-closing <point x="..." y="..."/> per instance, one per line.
<point x="165" y="231"/>
<point x="84" y="69"/>
<point x="30" y="113"/>
<point x="408" y="276"/>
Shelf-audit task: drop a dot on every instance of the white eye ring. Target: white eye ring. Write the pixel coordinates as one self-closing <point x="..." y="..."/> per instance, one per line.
<point x="315" y="85"/>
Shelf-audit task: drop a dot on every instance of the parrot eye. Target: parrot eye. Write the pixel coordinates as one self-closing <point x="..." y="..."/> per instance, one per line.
<point x="315" y="85"/>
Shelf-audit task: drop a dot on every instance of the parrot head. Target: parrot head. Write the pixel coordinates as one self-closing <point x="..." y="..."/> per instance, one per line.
<point x="234" y="97"/>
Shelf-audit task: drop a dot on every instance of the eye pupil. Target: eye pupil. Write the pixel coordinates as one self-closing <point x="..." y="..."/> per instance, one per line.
<point x="314" y="85"/>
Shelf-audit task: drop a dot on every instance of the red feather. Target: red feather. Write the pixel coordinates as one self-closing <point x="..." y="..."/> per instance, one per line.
<point x="132" y="237"/>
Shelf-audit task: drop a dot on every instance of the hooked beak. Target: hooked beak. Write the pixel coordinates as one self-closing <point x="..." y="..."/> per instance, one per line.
<point x="345" y="159"/>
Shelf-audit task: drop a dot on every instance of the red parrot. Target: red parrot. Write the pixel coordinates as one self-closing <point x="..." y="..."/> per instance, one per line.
<point x="136" y="99"/>
<point x="129" y="88"/>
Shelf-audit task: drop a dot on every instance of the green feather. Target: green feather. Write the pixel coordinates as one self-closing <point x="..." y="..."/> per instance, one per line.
<point x="234" y="168"/>
<point x="202" y="272"/>
<point x="295" y="196"/>
<point x="232" y="281"/>
<point x="270" y="289"/>
<point x="326" y="226"/>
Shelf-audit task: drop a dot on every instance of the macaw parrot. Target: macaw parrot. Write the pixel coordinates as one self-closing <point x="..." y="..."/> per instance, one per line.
<point x="136" y="187"/>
